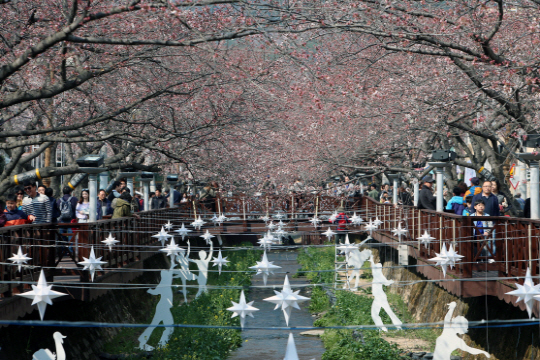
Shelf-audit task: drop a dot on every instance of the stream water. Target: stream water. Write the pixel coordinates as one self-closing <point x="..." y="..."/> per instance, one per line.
<point x="271" y="344"/>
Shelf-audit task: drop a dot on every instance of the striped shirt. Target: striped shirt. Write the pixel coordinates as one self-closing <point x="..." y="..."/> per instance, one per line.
<point x="40" y="207"/>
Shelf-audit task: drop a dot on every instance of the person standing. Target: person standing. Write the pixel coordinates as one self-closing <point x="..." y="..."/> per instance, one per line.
<point x="341" y="220"/>
<point x="116" y="192"/>
<point x="67" y="206"/>
<point x="159" y="201"/>
<point x="83" y="207"/>
<point x="36" y="206"/>
<point x="490" y="201"/>
<point x="103" y="205"/>
<point x="373" y="193"/>
<point x="55" y="212"/>
<point x="426" y="200"/>
<point x="13" y="215"/>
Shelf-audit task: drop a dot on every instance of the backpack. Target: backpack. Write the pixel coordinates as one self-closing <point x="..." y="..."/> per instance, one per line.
<point x="66" y="210"/>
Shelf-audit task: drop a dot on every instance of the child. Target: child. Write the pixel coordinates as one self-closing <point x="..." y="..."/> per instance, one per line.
<point x="468" y="210"/>
<point x="13" y="215"/>
<point x="456" y="202"/>
<point x="482" y="227"/>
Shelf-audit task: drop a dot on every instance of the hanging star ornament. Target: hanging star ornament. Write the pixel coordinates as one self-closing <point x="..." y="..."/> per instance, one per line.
<point x="168" y="225"/>
<point x="315" y="221"/>
<point x="162" y="236"/>
<point x="172" y="250"/>
<point x="19" y="258"/>
<point x="347" y="248"/>
<point x="377" y="222"/>
<point x="279" y="216"/>
<point x="92" y="264"/>
<point x="220" y="261"/>
<point x="333" y="217"/>
<point x="42" y="295"/>
<point x="271" y="225"/>
<point x="183" y="231"/>
<point x="399" y="231"/>
<point x="265" y="267"/>
<point x="222" y="218"/>
<point x="290" y="352"/>
<point x="207" y="237"/>
<point x="446" y="258"/>
<point x="287" y="299"/>
<point x="242" y="309"/>
<point x="198" y="223"/>
<point x="329" y="233"/>
<point x="265" y="218"/>
<point x="356" y="220"/>
<point x="425" y="238"/>
<point x="110" y="241"/>
<point x="527" y="292"/>
<point x="266" y="242"/>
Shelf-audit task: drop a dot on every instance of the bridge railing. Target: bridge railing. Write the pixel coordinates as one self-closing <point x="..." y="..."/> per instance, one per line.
<point x="511" y="247"/>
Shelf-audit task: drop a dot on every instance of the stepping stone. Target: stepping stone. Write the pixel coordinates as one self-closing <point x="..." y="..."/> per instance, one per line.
<point x="312" y="333"/>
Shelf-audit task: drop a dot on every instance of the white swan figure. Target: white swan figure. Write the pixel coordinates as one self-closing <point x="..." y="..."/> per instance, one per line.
<point x="46" y="354"/>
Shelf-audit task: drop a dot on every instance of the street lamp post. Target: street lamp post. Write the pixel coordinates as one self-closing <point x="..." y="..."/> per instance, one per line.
<point x="90" y="164"/>
<point x="534" y="188"/>
<point x="439" y="169"/>
<point x="146" y="178"/>
<point x="395" y="179"/>
<point x="171" y="178"/>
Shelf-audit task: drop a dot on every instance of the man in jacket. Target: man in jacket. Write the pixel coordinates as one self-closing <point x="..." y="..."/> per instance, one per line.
<point x="36" y="206"/>
<point x="159" y="201"/>
<point x="103" y="205"/>
<point x="426" y="200"/>
<point x="374" y="194"/>
<point x="116" y="191"/>
<point x="341" y="220"/>
<point x="490" y="201"/>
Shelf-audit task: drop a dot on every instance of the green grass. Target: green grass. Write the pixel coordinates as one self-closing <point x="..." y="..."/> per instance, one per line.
<point x="353" y="309"/>
<point x="208" y="309"/>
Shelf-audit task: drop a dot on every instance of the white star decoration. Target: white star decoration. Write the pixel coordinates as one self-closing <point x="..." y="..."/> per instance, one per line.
<point x="172" y="250"/>
<point x="198" y="223"/>
<point x="207" y="237"/>
<point x="290" y="352"/>
<point x="183" y="231"/>
<point x="348" y="247"/>
<point x="265" y="218"/>
<point x="279" y="216"/>
<point x="286" y="299"/>
<point x="447" y="258"/>
<point x="527" y="292"/>
<point x="377" y="222"/>
<point x="92" y="264"/>
<point x="19" y="258"/>
<point x="399" y="231"/>
<point x="222" y="218"/>
<point x="356" y="220"/>
<point x="266" y="243"/>
<point x="220" y="261"/>
<point x="425" y="238"/>
<point x="271" y="226"/>
<point x="162" y="236"/>
<point x="329" y="233"/>
<point x="42" y="295"/>
<point x="242" y="309"/>
<point x="168" y="225"/>
<point x="315" y="221"/>
<point x="265" y="267"/>
<point x="110" y="241"/>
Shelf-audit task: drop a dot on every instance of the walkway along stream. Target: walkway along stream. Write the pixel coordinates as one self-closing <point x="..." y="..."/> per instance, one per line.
<point x="271" y="344"/>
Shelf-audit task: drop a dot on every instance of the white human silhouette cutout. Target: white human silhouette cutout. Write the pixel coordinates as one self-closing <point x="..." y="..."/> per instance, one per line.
<point x="356" y="260"/>
<point x="163" y="311"/>
<point x="183" y="272"/>
<point x="202" y="263"/>
<point x="449" y="341"/>
<point x="380" y="300"/>
<point x="46" y="354"/>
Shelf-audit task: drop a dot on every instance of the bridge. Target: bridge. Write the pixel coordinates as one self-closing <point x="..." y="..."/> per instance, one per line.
<point x="516" y="240"/>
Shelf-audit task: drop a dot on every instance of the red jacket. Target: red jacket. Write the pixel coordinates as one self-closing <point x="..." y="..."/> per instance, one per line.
<point x="342" y="220"/>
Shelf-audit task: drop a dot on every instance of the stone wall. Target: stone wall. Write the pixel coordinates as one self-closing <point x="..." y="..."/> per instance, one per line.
<point x="427" y="302"/>
<point x="116" y="306"/>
